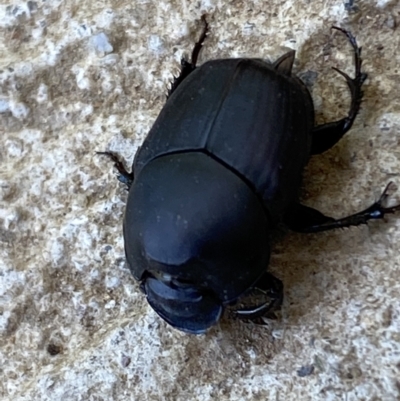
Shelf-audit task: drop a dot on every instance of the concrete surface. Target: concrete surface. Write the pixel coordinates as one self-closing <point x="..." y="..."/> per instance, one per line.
<point x="80" y="77"/>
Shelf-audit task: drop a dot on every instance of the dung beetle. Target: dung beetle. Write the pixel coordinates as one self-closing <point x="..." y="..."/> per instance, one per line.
<point x="219" y="170"/>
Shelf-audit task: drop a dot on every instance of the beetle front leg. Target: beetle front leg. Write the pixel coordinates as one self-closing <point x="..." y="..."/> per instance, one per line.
<point x="123" y="175"/>
<point x="272" y="287"/>
<point x="188" y="67"/>
<point x="304" y="219"/>
<point x="327" y="135"/>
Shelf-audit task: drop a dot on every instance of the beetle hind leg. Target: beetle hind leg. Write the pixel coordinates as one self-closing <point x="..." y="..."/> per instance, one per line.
<point x="123" y="175"/>
<point x="327" y="135"/>
<point x="304" y="219"/>
<point x="188" y="67"/>
<point x="272" y="288"/>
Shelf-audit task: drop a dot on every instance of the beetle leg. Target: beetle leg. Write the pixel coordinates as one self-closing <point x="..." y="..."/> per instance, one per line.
<point x="327" y="135"/>
<point x="123" y="175"/>
<point x="304" y="219"/>
<point x="189" y="66"/>
<point x="272" y="287"/>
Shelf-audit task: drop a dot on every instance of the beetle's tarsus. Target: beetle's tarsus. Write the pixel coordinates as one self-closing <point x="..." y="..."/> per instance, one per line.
<point x="379" y="209"/>
<point x="307" y="220"/>
<point x="327" y="135"/>
<point x="123" y="175"/>
<point x="199" y="44"/>
<point x="186" y="66"/>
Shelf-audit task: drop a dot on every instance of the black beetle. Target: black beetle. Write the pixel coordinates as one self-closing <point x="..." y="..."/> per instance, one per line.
<point x="220" y="168"/>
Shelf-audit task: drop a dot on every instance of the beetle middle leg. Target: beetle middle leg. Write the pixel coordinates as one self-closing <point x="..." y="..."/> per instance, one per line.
<point x="327" y="135"/>
<point x="272" y="288"/>
<point x="189" y="66"/>
<point x="307" y="220"/>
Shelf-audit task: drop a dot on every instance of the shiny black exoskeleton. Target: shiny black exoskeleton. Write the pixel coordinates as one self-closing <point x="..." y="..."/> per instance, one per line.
<point x="220" y="168"/>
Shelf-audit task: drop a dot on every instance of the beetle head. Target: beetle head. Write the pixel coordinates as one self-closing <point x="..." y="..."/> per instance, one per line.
<point x="182" y="305"/>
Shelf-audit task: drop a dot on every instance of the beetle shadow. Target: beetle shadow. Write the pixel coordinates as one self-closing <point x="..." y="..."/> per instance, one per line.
<point x="313" y="266"/>
<point x="318" y="271"/>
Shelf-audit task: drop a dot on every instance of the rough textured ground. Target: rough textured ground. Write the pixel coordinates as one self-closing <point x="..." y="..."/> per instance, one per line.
<point x="79" y="77"/>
